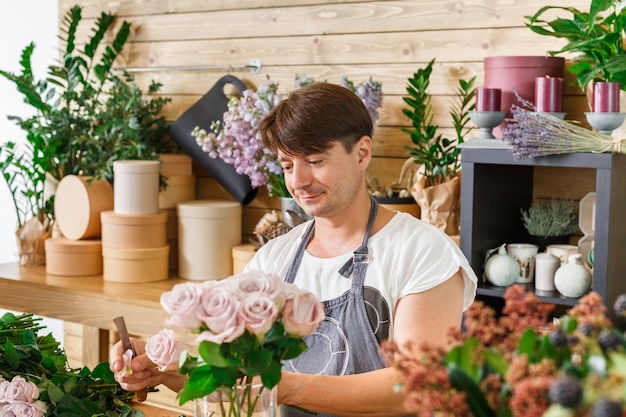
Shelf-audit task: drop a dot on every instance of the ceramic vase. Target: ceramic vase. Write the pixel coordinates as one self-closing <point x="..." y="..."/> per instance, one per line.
<point x="240" y="401"/>
<point x="572" y="279"/>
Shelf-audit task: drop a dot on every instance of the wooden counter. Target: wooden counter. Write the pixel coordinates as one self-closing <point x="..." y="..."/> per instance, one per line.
<point x="89" y="301"/>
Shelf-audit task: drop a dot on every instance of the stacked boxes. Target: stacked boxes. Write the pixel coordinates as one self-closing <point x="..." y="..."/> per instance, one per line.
<point x="134" y="243"/>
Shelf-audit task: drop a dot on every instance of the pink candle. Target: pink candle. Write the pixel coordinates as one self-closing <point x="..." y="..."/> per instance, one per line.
<point x="548" y="94"/>
<point x="488" y="99"/>
<point x="605" y="97"/>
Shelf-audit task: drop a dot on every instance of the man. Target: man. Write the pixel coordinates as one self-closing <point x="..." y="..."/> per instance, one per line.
<point x="381" y="274"/>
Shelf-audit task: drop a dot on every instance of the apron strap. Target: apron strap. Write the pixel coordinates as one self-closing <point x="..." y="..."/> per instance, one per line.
<point x="360" y="254"/>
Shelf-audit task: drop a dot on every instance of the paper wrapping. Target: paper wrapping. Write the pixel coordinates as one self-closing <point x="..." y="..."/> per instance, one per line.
<point x="440" y="205"/>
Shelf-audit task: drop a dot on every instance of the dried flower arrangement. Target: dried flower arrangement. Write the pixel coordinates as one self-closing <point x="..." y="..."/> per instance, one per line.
<point x="554" y="218"/>
<point x="533" y="134"/>
<point x="521" y="364"/>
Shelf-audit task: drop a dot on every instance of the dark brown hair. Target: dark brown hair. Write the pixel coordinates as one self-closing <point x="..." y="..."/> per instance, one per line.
<point x="311" y="119"/>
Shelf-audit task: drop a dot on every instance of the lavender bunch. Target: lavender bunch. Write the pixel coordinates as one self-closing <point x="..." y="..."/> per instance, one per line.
<point x="534" y="134"/>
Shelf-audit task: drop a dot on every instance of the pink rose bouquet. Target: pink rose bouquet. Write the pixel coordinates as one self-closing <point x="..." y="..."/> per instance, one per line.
<point x="246" y="325"/>
<point x="18" y="397"/>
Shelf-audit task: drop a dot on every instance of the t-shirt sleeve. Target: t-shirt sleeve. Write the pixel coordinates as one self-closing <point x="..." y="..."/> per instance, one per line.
<point x="438" y="260"/>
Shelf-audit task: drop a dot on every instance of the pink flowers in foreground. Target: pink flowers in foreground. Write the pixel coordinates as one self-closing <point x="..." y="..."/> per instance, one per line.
<point x="164" y="350"/>
<point x="18" y="397"/>
<point x="221" y="311"/>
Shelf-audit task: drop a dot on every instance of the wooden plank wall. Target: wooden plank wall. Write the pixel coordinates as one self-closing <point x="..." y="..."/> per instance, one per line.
<point x="388" y="40"/>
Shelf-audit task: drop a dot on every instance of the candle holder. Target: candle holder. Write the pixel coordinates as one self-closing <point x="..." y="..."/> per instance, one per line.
<point x="605" y="123"/>
<point x="486" y="121"/>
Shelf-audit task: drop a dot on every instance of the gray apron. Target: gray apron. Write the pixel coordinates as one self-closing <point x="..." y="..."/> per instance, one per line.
<point x="344" y="343"/>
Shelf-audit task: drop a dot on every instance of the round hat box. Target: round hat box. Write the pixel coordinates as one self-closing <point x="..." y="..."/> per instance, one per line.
<point x="207" y="232"/>
<point x="73" y="257"/>
<point x="78" y="203"/>
<point x="136" y="186"/>
<point x="133" y="231"/>
<point x="135" y="265"/>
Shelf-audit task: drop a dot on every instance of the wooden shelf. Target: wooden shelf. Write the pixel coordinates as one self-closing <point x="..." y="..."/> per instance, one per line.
<point x="495" y="187"/>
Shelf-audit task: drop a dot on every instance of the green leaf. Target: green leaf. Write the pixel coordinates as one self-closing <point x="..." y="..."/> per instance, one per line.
<point x="211" y="354"/>
<point x="10" y="356"/>
<point x="202" y="383"/>
<point x="475" y="398"/>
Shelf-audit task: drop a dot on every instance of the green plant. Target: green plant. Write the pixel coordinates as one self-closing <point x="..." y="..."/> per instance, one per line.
<point x="25" y="180"/>
<point x="35" y="377"/>
<point x="595" y="37"/>
<point x="438" y="154"/>
<point x="554" y="218"/>
<point x="85" y="115"/>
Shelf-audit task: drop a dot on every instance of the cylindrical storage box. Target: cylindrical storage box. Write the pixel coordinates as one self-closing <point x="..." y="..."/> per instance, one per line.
<point x="73" y="257"/>
<point x="136" y="187"/>
<point x="180" y="188"/>
<point x="78" y="203"/>
<point x="134" y="231"/>
<point x="241" y="256"/>
<point x="174" y="164"/>
<point x="518" y="73"/>
<point x="207" y="231"/>
<point x="135" y="265"/>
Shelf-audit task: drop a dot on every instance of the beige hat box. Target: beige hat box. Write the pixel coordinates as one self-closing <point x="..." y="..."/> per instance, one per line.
<point x="136" y="186"/>
<point x="73" y="257"/>
<point x="242" y="254"/>
<point x="134" y="230"/>
<point x="207" y="231"/>
<point x="78" y="204"/>
<point x="135" y="265"/>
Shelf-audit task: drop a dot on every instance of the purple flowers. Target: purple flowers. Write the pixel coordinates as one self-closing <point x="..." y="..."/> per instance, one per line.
<point x="236" y="139"/>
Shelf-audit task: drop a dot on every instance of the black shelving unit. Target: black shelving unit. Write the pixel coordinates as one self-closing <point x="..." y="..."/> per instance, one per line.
<point x="495" y="187"/>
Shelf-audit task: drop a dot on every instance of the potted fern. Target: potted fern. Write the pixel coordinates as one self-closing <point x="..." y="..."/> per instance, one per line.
<point x="437" y="189"/>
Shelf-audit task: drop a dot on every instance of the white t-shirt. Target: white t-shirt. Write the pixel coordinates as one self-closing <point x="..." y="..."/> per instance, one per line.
<point x="407" y="256"/>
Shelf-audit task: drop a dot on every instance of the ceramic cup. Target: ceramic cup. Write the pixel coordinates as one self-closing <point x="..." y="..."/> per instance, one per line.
<point x="562" y="252"/>
<point x="524" y="253"/>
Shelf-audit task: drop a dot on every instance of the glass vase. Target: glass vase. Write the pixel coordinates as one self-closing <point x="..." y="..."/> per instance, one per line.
<point x="239" y="401"/>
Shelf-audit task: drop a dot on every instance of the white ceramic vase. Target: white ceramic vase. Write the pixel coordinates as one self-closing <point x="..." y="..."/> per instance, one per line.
<point x="572" y="279"/>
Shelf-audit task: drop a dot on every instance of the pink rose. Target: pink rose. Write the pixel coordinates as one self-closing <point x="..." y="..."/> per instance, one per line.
<point x="302" y="314"/>
<point x="164" y="350"/>
<point x="23" y="409"/>
<point x="181" y="302"/>
<point x="258" y="311"/>
<point x="18" y="389"/>
<point x="218" y="310"/>
<point x="256" y="281"/>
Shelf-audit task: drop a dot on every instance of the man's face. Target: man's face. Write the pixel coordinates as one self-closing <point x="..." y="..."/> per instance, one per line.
<point x="325" y="183"/>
